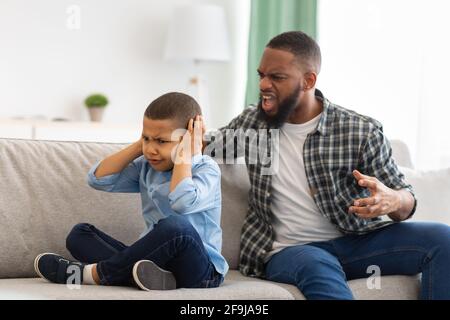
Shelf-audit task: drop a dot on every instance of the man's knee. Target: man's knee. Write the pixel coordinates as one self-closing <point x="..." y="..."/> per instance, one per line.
<point x="431" y="232"/>
<point x="313" y="261"/>
<point x="439" y="234"/>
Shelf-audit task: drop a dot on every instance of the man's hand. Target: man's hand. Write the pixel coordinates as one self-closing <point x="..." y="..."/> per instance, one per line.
<point x="382" y="200"/>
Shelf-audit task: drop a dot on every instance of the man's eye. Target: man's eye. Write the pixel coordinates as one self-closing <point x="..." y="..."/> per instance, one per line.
<point x="145" y="139"/>
<point x="161" y="141"/>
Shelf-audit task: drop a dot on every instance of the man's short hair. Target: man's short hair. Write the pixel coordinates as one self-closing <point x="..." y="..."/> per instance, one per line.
<point x="300" y="45"/>
<point x="174" y="105"/>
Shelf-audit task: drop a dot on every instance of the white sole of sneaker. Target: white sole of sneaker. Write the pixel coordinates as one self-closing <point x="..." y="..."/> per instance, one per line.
<point x="148" y="276"/>
<point x="36" y="261"/>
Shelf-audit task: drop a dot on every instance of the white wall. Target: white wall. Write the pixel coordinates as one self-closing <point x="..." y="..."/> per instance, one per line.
<point x="368" y="62"/>
<point x="48" y="69"/>
<point x="389" y="60"/>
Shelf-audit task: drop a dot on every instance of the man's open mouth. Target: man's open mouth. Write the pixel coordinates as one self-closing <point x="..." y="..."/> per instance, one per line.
<point x="268" y="102"/>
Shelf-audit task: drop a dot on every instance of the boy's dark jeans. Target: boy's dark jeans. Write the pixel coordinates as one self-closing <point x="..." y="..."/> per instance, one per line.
<point x="173" y="244"/>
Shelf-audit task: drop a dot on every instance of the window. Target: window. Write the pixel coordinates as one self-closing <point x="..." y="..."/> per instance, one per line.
<point x="390" y="60"/>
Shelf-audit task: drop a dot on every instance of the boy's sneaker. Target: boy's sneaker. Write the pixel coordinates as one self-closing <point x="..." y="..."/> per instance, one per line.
<point x="148" y="276"/>
<point x="56" y="269"/>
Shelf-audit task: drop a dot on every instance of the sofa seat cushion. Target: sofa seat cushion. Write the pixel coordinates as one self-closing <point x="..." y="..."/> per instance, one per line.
<point x="391" y="287"/>
<point x="234" y="288"/>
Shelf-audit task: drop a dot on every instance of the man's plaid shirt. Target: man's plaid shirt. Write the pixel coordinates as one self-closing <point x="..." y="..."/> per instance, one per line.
<point x="343" y="141"/>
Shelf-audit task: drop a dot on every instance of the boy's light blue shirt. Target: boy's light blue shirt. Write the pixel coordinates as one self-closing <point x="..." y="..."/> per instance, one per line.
<point x="198" y="198"/>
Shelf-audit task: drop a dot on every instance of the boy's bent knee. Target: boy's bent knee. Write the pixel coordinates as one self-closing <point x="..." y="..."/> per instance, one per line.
<point x="75" y="233"/>
<point x="175" y="224"/>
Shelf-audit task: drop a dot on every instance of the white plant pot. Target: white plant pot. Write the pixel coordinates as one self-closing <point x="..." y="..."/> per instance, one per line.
<point x="96" y="113"/>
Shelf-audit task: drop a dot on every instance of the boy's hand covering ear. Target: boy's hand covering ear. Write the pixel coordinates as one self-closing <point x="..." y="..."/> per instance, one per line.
<point x="198" y="132"/>
<point x="191" y="143"/>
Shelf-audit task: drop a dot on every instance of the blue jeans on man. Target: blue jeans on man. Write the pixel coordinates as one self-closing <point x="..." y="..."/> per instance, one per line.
<point x="321" y="269"/>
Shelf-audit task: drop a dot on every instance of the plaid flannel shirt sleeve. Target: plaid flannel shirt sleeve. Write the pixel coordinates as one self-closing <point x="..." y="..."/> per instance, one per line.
<point x="376" y="161"/>
<point x="223" y="143"/>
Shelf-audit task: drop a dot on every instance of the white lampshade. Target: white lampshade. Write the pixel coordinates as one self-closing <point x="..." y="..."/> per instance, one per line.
<point x="198" y="33"/>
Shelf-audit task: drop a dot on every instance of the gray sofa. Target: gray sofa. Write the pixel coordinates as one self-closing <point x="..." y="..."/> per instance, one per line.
<point x="43" y="193"/>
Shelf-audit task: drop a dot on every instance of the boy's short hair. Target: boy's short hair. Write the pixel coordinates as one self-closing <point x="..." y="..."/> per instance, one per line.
<point x="302" y="46"/>
<point x="173" y="105"/>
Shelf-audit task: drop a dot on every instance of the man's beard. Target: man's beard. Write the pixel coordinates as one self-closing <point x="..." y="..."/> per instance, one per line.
<point x="285" y="109"/>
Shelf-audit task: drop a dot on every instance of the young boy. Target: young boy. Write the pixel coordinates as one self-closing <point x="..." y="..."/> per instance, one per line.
<point x="181" y="203"/>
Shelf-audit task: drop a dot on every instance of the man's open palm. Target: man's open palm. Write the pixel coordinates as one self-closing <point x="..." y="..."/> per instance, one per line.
<point x="382" y="200"/>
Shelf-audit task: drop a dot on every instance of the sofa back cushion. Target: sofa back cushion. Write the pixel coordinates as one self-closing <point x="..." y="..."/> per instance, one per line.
<point x="235" y="187"/>
<point x="44" y="193"/>
<point x="432" y="190"/>
<point x="401" y="154"/>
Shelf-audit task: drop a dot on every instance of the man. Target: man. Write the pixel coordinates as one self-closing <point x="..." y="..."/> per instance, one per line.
<point x="332" y="209"/>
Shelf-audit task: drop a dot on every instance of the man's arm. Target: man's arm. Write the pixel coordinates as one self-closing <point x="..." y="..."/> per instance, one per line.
<point x="216" y="143"/>
<point x="390" y="194"/>
<point x="397" y="204"/>
<point x="118" y="161"/>
<point x="406" y="206"/>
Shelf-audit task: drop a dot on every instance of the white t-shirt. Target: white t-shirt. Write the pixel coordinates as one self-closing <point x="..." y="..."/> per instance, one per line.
<point x="296" y="217"/>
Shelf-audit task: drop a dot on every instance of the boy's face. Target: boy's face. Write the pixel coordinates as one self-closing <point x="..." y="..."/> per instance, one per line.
<point x="157" y="144"/>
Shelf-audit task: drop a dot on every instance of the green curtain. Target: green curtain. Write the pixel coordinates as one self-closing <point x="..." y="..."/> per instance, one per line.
<point x="269" y="18"/>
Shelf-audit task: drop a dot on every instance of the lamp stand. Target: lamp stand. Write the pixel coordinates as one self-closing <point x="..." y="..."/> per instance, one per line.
<point x="199" y="89"/>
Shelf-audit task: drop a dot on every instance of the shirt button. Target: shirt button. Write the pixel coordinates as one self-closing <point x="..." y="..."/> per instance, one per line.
<point x="267" y="194"/>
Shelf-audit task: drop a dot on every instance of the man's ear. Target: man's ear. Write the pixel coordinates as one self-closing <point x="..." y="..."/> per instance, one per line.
<point x="309" y="81"/>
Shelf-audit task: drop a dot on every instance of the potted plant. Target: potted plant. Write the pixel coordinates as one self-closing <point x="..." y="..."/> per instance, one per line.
<point x="96" y="104"/>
